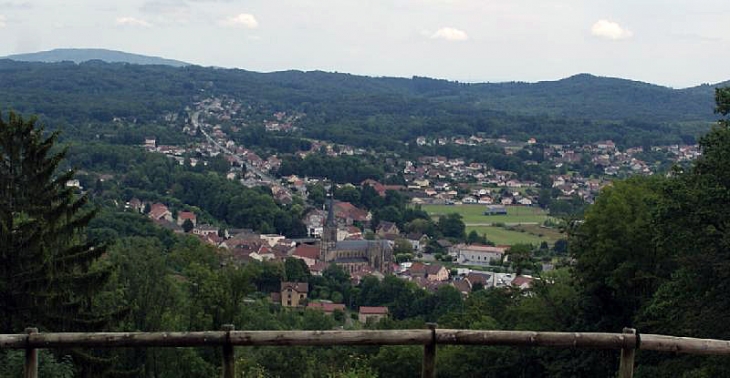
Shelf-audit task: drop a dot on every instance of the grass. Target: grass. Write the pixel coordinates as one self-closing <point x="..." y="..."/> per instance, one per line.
<point x="474" y="214"/>
<point x="531" y="234"/>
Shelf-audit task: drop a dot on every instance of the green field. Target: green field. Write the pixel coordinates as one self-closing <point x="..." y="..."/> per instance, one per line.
<point x="531" y="234"/>
<point x="474" y="214"/>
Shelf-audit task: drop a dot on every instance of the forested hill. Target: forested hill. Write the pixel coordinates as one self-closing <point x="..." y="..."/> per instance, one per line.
<point x="362" y="110"/>
<point x="84" y="55"/>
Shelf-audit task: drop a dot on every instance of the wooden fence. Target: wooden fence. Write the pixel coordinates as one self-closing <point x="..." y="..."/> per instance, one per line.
<point x="627" y="342"/>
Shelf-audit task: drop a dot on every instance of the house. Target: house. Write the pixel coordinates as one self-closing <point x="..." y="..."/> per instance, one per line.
<point x="328" y="308"/>
<point x="463" y="286"/>
<point x="205" y="229"/>
<point x="483" y="279"/>
<point x="159" y="211"/>
<point x="525" y="202"/>
<point x="272" y="239"/>
<point x="136" y="205"/>
<point x="477" y="254"/>
<point x="314" y="220"/>
<point x="469" y="200"/>
<point x="387" y="228"/>
<point x="150" y="143"/>
<point x="372" y="314"/>
<point x="347" y="213"/>
<point x="308" y="253"/>
<point x="186" y="215"/>
<point x="436" y="272"/>
<point x="418" y="241"/>
<point x="293" y="294"/>
<point x="522" y="282"/>
<point x="379" y="188"/>
<point x="417" y="269"/>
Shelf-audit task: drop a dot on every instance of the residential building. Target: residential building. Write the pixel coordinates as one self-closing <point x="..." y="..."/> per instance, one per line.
<point x="293" y="294"/>
<point x="372" y="314"/>
<point x="476" y="254"/>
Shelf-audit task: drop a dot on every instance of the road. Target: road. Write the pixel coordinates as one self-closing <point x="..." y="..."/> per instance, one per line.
<point x="249" y="167"/>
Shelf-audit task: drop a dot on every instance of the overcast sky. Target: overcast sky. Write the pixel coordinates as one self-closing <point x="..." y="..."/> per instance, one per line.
<point x="676" y="43"/>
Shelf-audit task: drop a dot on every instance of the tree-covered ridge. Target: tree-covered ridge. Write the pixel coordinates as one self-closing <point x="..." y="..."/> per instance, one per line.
<point x="359" y="110"/>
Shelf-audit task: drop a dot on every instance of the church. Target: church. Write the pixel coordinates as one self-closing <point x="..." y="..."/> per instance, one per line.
<point x="354" y="255"/>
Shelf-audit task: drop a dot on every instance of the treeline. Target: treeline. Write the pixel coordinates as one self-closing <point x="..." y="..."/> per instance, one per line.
<point x="342" y="169"/>
<point x="362" y="111"/>
<point x="157" y="178"/>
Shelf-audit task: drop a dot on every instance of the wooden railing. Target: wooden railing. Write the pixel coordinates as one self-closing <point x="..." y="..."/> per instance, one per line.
<point x="627" y="342"/>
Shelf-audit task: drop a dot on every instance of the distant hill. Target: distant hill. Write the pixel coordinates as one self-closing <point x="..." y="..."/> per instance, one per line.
<point x="365" y="111"/>
<point x="84" y="55"/>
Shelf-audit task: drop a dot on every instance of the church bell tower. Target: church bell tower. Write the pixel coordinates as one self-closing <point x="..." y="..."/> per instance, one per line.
<point x="329" y="231"/>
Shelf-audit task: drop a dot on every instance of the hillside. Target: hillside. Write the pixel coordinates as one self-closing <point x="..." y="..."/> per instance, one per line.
<point x="362" y="110"/>
<point x="84" y="55"/>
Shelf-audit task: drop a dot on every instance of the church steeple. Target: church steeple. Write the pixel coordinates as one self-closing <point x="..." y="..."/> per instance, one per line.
<point x="329" y="231"/>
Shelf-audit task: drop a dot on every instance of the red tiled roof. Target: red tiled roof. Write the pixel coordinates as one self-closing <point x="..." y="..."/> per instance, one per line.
<point x="433" y="268"/>
<point x="418" y="268"/>
<point x="365" y="310"/>
<point x="307" y="251"/>
<point x="186" y="215"/>
<point x="522" y="280"/>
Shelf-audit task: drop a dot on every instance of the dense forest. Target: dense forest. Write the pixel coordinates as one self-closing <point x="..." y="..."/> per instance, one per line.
<point x="359" y="110"/>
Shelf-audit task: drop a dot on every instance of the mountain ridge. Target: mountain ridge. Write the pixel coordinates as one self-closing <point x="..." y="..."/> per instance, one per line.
<point x="80" y="55"/>
<point x="355" y="109"/>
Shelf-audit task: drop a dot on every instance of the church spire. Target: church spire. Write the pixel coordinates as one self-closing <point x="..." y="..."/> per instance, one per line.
<point x="329" y="231"/>
<point x="331" y="208"/>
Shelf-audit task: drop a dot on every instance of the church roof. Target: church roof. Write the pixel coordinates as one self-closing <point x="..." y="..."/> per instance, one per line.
<point x="350" y="260"/>
<point x="361" y="245"/>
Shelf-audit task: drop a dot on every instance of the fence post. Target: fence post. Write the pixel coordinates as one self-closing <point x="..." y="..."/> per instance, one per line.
<point x="229" y="362"/>
<point x="429" y="354"/>
<point x="30" y="368"/>
<point x="626" y="368"/>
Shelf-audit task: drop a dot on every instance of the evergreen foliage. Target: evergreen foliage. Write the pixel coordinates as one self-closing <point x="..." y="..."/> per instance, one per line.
<point x="47" y="277"/>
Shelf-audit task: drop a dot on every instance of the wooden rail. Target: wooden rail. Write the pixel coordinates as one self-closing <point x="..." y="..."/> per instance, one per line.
<point x="627" y="342"/>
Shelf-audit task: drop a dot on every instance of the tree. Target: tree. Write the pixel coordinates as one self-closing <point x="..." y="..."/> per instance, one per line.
<point x="188" y="225"/>
<point x="452" y="226"/>
<point x="46" y="274"/>
<point x="618" y="264"/>
<point x="693" y="222"/>
<point x="520" y="257"/>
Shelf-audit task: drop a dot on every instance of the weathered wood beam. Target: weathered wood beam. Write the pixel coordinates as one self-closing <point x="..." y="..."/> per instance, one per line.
<point x="536" y="339"/>
<point x="662" y="343"/>
<point x="324" y="338"/>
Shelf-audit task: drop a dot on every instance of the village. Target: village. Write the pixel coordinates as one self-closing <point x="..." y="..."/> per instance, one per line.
<point x="430" y="180"/>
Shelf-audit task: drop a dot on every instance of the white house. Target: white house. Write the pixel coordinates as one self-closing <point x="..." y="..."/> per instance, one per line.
<point x="476" y="254"/>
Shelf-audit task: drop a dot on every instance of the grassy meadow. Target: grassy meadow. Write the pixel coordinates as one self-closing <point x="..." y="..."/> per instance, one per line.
<point x="474" y="214"/>
<point x="523" y="223"/>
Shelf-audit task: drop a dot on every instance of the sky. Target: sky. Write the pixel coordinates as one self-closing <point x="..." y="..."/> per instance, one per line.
<point x="676" y="43"/>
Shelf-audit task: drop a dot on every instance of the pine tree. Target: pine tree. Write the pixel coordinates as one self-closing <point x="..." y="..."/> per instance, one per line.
<point x="46" y="274"/>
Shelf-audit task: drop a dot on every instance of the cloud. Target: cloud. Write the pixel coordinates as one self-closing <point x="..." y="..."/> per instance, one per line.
<point x="2" y="21"/>
<point x="16" y="5"/>
<point x="450" y="34"/>
<point x="131" y="21"/>
<point x="243" y="20"/>
<point x="168" y="12"/>
<point x="610" y="30"/>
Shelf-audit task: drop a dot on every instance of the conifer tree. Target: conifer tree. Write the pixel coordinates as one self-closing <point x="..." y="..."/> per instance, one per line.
<point x="46" y="274"/>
